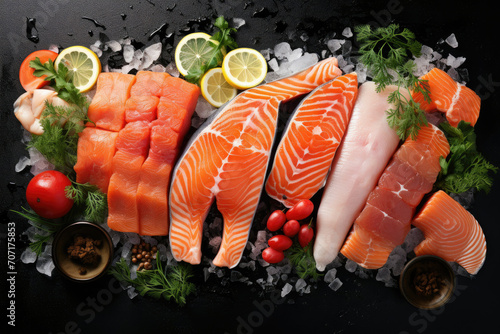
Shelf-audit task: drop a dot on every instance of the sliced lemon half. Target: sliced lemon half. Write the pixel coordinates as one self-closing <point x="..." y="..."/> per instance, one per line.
<point x="215" y="89"/>
<point x="83" y="64"/>
<point x="192" y="51"/>
<point x="244" y="68"/>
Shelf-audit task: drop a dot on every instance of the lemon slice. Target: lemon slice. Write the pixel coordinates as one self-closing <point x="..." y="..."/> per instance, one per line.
<point x="244" y="68"/>
<point x="215" y="89"/>
<point x="83" y="65"/>
<point x="192" y="51"/>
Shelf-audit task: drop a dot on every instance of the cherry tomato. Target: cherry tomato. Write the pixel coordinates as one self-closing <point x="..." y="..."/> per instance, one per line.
<point x="291" y="228"/>
<point x="280" y="242"/>
<point x="306" y="234"/>
<point x="46" y="194"/>
<point x="301" y="210"/>
<point x="276" y="220"/>
<point x="271" y="255"/>
<point x="26" y="77"/>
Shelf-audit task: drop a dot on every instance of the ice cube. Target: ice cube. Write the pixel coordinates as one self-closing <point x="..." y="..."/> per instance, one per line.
<point x="132" y="292"/>
<point x="126" y="249"/>
<point x="157" y="68"/>
<point x="282" y="50"/>
<point x="238" y="22"/>
<point x="115" y="46"/>
<point x="304" y="37"/>
<point x="96" y="50"/>
<point x="215" y="243"/>
<point x="162" y="252"/>
<point x="128" y="53"/>
<point x="172" y="70"/>
<point x="383" y="275"/>
<point x="452" y="41"/>
<point x="287" y="288"/>
<point x="413" y="238"/>
<point x="133" y="238"/>
<point x="203" y="108"/>
<point x="150" y="54"/>
<point x="266" y="53"/>
<point x="150" y="240"/>
<point x="347" y="32"/>
<point x="330" y="275"/>
<point x="296" y="54"/>
<point x="22" y="164"/>
<point x="335" y="44"/>
<point x="273" y="64"/>
<point x="361" y="71"/>
<point x="28" y="256"/>
<point x="44" y="263"/>
<point x="351" y="266"/>
<point x="54" y="48"/>
<point x="236" y="276"/>
<point x="302" y="63"/>
<point x="300" y="285"/>
<point x="336" y="284"/>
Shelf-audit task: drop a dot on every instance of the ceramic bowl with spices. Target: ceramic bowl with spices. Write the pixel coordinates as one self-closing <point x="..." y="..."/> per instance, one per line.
<point x="82" y="251"/>
<point x="427" y="281"/>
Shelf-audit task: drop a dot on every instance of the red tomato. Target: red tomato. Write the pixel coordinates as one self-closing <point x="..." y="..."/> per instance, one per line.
<point x="276" y="220"/>
<point x="280" y="242"/>
<point x="26" y="77"/>
<point x="306" y="234"/>
<point x="301" y="210"/>
<point x="291" y="228"/>
<point x="46" y="194"/>
<point x="271" y="255"/>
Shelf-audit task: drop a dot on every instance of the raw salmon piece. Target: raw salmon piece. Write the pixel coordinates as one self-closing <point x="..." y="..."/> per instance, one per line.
<point x="367" y="146"/>
<point x="181" y="92"/>
<point x="131" y="150"/>
<point x="385" y="220"/>
<point x="152" y="191"/>
<point x="178" y="117"/>
<point x="227" y="159"/>
<point x="95" y="152"/>
<point x="149" y="83"/>
<point x="141" y="108"/>
<point x="457" y="101"/>
<point x="451" y="232"/>
<point x="107" y="109"/>
<point x="308" y="145"/>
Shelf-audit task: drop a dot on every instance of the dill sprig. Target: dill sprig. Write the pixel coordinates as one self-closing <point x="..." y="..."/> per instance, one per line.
<point x="302" y="260"/>
<point x="91" y="199"/>
<point x="387" y="53"/>
<point x="170" y="283"/>
<point x="465" y="168"/>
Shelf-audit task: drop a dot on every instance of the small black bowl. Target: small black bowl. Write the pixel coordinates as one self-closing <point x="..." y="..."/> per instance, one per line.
<point x="71" y="269"/>
<point x="427" y="281"/>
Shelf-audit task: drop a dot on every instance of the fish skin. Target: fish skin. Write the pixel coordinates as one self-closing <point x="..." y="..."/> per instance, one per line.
<point x="215" y="164"/>
<point x="367" y="146"/>
<point x="451" y="232"/>
<point x="310" y="140"/>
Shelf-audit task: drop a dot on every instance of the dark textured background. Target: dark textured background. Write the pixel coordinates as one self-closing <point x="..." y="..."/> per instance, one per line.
<point x="54" y="305"/>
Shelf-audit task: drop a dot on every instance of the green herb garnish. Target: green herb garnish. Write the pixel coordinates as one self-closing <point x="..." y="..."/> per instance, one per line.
<point x="89" y="197"/>
<point x="47" y="225"/>
<point x="60" y="80"/>
<point x="387" y="53"/>
<point x="302" y="260"/>
<point x="465" y="168"/>
<point x="171" y="283"/>
<point x="220" y="41"/>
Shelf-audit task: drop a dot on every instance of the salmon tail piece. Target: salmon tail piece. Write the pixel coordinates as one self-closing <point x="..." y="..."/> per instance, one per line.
<point x="451" y="232"/>
<point x="227" y="160"/>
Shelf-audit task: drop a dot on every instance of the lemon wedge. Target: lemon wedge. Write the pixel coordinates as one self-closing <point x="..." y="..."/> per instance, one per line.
<point x="83" y="65"/>
<point x="244" y="68"/>
<point x="215" y="89"/>
<point x="192" y="51"/>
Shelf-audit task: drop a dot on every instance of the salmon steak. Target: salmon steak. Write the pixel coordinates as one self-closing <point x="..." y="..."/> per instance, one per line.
<point x="226" y="161"/>
<point x="386" y="217"/>
<point x="458" y="102"/>
<point x="451" y="232"/>
<point x="310" y="140"/>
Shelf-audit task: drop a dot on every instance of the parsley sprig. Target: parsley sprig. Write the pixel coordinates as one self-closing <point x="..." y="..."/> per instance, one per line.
<point x="170" y="283"/>
<point x="387" y="53"/>
<point x="465" y="168"/>
<point x="220" y="42"/>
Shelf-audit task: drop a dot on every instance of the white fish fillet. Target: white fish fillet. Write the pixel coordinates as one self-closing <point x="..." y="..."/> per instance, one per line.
<point x="368" y="145"/>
